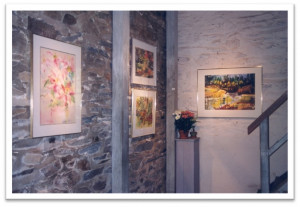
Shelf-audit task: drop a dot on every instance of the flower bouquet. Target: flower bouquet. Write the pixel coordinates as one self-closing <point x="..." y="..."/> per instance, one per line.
<point x="184" y="121"/>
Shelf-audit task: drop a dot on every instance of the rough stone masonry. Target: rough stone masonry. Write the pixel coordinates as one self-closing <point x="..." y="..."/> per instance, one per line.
<point x="147" y="154"/>
<point x="81" y="163"/>
<point x="74" y="163"/>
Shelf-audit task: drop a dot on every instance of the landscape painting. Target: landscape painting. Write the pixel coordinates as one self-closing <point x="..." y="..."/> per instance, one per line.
<point x="232" y="92"/>
<point x="143" y="112"/>
<point x="143" y="70"/>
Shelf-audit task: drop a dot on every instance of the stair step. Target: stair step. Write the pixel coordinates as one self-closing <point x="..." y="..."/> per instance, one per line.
<point x="279" y="185"/>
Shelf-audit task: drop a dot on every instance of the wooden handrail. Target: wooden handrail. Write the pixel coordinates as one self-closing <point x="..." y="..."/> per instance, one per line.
<point x="268" y="112"/>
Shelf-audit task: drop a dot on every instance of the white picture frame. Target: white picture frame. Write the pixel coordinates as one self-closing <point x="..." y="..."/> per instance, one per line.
<point x="56" y="88"/>
<point x="232" y="98"/>
<point x="143" y="126"/>
<point x="144" y="69"/>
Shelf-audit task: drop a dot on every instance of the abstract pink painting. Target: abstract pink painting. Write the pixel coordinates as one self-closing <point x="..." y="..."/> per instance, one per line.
<point x="57" y="87"/>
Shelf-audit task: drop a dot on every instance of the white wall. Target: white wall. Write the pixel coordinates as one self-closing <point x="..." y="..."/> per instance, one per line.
<point x="229" y="158"/>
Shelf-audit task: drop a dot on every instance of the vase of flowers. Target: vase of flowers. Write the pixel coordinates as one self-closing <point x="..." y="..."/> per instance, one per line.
<point x="184" y="121"/>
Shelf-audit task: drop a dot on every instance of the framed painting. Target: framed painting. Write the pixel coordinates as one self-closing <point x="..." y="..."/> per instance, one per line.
<point x="230" y="92"/>
<point x="56" y="88"/>
<point x="143" y="112"/>
<point x="143" y="63"/>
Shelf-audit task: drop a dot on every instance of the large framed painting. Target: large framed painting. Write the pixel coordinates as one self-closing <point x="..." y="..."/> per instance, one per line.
<point x="143" y="63"/>
<point x="143" y="112"/>
<point x="230" y="92"/>
<point x="56" y="90"/>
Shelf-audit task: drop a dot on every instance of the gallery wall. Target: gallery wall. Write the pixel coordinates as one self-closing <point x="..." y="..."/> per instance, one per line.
<point x="229" y="157"/>
<point x="74" y="163"/>
<point x="81" y="162"/>
<point x="147" y="154"/>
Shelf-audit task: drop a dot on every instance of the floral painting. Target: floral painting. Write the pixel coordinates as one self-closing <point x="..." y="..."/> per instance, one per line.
<point x="144" y="112"/>
<point x="230" y="92"/>
<point x="57" y="87"/>
<point x="143" y="70"/>
<point x="144" y="63"/>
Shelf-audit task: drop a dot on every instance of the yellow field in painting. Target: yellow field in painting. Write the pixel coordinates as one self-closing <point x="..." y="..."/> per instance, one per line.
<point x="219" y="99"/>
<point x="214" y="92"/>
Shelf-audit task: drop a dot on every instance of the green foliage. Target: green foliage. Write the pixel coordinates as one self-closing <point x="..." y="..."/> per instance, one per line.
<point x="184" y="120"/>
<point x="46" y="83"/>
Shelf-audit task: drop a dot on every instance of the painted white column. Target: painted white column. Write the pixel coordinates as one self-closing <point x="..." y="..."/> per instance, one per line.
<point x="120" y="81"/>
<point x="172" y="60"/>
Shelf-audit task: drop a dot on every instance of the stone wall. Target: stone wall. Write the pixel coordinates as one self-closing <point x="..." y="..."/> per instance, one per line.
<point x="147" y="154"/>
<point x="74" y="163"/>
<point x="229" y="158"/>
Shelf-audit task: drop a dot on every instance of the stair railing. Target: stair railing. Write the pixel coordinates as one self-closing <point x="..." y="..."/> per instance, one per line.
<point x="265" y="151"/>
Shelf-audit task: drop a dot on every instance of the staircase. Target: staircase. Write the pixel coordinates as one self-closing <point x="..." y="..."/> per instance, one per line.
<point x="280" y="183"/>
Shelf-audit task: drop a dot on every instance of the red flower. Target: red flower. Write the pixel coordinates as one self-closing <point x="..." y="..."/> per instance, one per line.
<point x="184" y="116"/>
<point x="186" y="120"/>
<point x="146" y="55"/>
<point x="62" y="86"/>
<point x="55" y="88"/>
<point x="52" y="80"/>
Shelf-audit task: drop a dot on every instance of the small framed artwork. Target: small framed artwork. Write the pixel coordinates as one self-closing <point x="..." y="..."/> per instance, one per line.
<point x="143" y="63"/>
<point x="230" y="92"/>
<point x="56" y="90"/>
<point x="143" y="112"/>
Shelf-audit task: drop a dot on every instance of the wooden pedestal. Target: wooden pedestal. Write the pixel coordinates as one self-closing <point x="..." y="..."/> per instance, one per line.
<point x="187" y="165"/>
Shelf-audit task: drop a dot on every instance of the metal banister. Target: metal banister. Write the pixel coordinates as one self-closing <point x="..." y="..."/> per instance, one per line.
<point x="268" y="112"/>
<point x="265" y="152"/>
